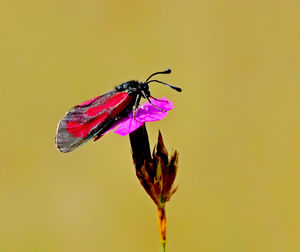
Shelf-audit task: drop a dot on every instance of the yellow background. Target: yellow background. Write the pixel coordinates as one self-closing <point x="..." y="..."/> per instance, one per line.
<point x="236" y="124"/>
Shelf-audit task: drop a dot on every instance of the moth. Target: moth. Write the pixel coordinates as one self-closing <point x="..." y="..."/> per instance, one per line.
<point x="93" y="118"/>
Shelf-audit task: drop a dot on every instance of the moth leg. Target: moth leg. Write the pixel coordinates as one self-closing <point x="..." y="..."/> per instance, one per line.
<point x="154" y="98"/>
<point x="134" y="111"/>
<point x="147" y="97"/>
<point x="137" y="102"/>
<point x="135" y="107"/>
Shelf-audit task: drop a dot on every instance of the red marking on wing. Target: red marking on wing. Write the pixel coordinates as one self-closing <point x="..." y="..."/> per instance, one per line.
<point x="90" y="114"/>
<point x="83" y="129"/>
<point x="112" y="102"/>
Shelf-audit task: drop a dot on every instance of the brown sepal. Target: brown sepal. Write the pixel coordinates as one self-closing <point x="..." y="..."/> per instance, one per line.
<point x="156" y="173"/>
<point x="170" y="174"/>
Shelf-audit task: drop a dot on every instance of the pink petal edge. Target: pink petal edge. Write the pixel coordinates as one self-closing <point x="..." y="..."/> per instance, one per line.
<point x="145" y="113"/>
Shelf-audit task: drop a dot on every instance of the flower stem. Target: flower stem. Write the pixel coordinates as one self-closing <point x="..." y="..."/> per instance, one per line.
<point x="162" y="225"/>
<point x="164" y="246"/>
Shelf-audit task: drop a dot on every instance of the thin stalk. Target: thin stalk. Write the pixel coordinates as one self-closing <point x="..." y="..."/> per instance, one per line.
<point x="162" y="225"/>
<point x="164" y="246"/>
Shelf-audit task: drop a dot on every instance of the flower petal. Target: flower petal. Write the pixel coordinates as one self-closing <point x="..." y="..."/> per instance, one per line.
<point x="145" y="113"/>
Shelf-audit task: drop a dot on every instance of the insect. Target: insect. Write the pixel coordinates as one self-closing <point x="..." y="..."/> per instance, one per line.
<point x="92" y="118"/>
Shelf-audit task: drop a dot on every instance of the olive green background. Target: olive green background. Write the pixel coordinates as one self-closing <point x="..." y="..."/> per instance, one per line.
<point x="236" y="124"/>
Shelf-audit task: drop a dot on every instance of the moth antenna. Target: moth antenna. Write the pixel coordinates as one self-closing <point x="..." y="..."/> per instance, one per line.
<point x="178" y="89"/>
<point x="163" y="72"/>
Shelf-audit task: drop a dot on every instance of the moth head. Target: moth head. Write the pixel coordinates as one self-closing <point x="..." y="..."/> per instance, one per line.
<point x="144" y="85"/>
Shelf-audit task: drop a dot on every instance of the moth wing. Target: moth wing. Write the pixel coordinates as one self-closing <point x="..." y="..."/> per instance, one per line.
<point x="87" y="119"/>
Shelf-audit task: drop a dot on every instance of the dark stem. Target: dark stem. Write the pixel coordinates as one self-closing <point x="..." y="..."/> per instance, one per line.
<point x="140" y="146"/>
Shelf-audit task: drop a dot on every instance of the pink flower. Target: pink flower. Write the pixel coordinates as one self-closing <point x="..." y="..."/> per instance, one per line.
<point x="145" y="113"/>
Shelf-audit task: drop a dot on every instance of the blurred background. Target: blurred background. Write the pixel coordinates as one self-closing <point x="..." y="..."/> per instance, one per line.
<point x="236" y="124"/>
